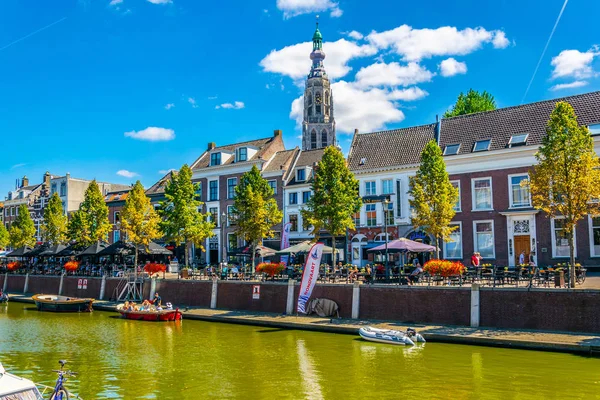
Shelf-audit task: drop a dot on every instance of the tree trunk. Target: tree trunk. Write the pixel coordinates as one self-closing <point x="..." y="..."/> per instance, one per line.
<point x="572" y="258"/>
<point x="332" y="252"/>
<point x="185" y="255"/>
<point x="437" y="247"/>
<point x="253" y="247"/>
<point x="135" y="263"/>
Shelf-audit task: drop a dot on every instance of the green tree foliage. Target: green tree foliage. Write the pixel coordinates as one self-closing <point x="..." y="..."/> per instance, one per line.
<point x="566" y="180"/>
<point x="433" y="196"/>
<point x="335" y="197"/>
<point x="470" y="103"/>
<point x="78" y="228"/>
<point x="4" y="237"/>
<point x="139" y="219"/>
<point x="54" y="228"/>
<point x="254" y="209"/>
<point x="182" y="222"/>
<point x="22" y="230"/>
<point x="90" y="223"/>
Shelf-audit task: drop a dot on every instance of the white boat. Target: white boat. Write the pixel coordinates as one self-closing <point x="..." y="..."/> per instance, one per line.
<point x="390" y="336"/>
<point x="17" y="388"/>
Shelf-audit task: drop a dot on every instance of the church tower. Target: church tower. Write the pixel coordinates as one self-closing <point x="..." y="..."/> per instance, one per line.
<point x="318" y="126"/>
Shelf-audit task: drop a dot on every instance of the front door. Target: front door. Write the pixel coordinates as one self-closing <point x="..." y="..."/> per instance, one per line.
<point x="522" y="243"/>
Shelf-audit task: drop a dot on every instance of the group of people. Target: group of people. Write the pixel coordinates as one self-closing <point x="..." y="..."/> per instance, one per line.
<point x="524" y="259"/>
<point x="148" y="305"/>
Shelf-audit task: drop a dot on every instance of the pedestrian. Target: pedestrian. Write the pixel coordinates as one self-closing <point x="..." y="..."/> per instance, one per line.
<point x="522" y="258"/>
<point x="475" y="260"/>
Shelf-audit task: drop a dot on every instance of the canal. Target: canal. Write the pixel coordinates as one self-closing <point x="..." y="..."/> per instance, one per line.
<point x="120" y="359"/>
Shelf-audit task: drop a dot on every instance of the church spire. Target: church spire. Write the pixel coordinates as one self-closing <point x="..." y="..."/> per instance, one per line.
<point x="317" y="38"/>
<point x="318" y="55"/>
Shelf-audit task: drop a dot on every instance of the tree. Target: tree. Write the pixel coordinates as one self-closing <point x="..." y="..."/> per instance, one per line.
<point x="183" y="223"/>
<point x="139" y="219"/>
<point x="566" y="180"/>
<point x="91" y="221"/>
<point x="255" y="210"/>
<point x="433" y="196"/>
<point x="4" y="236"/>
<point x="470" y="103"/>
<point x="335" y="197"/>
<point x="22" y="230"/>
<point x="54" y="228"/>
<point x="78" y="228"/>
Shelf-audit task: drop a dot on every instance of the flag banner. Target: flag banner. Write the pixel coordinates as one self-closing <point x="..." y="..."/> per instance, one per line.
<point x="285" y="236"/>
<point x="310" y="275"/>
<point x="284" y="259"/>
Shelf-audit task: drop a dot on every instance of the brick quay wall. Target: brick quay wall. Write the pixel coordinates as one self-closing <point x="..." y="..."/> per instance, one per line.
<point x="510" y="308"/>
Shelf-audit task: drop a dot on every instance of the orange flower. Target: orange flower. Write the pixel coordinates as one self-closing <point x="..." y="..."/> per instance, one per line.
<point x="154" y="268"/>
<point x="71" y="265"/>
<point x="270" y="268"/>
<point x="13" y="266"/>
<point x="444" y="268"/>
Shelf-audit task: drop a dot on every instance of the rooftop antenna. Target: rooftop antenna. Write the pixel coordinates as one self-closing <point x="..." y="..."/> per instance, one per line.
<point x="317" y="21"/>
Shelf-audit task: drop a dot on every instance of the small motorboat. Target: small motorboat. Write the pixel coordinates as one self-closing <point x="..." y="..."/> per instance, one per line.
<point x="150" y="315"/>
<point x="15" y="387"/>
<point x="390" y="336"/>
<point x="51" y="302"/>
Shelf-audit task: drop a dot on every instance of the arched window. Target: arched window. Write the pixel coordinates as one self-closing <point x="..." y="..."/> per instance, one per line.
<point x="326" y="97"/>
<point x="309" y="99"/>
<point x="324" y="138"/>
<point x="313" y="139"/>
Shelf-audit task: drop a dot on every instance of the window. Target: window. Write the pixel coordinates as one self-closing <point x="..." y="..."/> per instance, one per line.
<point x="482" y="145"/>
<point x="519" y="191"/>
<point x="53" y="188"/>
<point x="242" y="154"/>
<point x="324" y="138"/>
<point x="356" y="219"/>
<point x="294" y="222"/>
<point x="453" y="247"/>
<point x="293" y="198"/>
<point x="215" y="159"/>
<point x="518" y="140"/>
<point x="273" y="185"/>
<point x="199" y="190"/>
<point x="451" y="149"/>
<point x="12" y="211"/>
<point x="560" y="239"/>
<point x="484" y="238"/>
<point x="389" y="213"/>
<point x="313" y="139"/>
<point x="482" y="194"/>
<point x="370" y="188"/>
<point x="117" y="216"/>
<point x="371" y="215"/>
<point x="231" y="217"/>
<point x="63" y="188"/>
<point x="301" y="175"/>
<point x="594" y="223"/>
<point x="231" y="184"/>
<point x="362" y="161"/>
<point x="594" y="129"/>
<point x="231" y="241"/>
<point x="387" y="186"/>
<point x="399" y="198"/>
<point x="456" y="184"/>
<point x="318" y="109"/>
<point x="116" y="236"/>
<point x="305" y="197"/>
<point x="214" y="190"/>
<point x="214" y="215"/>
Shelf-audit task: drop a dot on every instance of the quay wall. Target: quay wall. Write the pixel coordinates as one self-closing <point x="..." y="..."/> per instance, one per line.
<point x="505" y="308"/>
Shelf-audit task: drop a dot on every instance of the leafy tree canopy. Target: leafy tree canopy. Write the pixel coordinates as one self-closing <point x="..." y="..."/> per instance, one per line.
<point x="54" y="228"/>
<point x="470" y="103"/>
<point x="22" y="230"/>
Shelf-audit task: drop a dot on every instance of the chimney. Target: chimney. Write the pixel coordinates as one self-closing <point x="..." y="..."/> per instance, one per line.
<point x="47" y="179"/>
<point x="438" y="128"/>
<point x="211" y="145"/>
<point x="277" y="132"/>
<point x="25" y="181"/>
<point x="356" y="131"/>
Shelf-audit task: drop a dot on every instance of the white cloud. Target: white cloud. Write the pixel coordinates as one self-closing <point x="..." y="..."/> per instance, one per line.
<point x="19" y="165"/>
<point x="292" y="8"/>
<point x="237" y="105"/>
<point x="211" y="97"/>
<point x="169" y="106"/>
<point x="416" y="44"/>
<point x="355" y="35"/>
<point x="408" y="94"/>
<point x="451" y="67"/>
<point x="294" y="61"/>
<point x="126" y="174"/>
<point x="152" y="134"/>
<point x="115" y="2"/>
<point x="160" y="1"/>
<point x="573" y="63"/>
<point x="192" y="101"/>
<point x="392" y="74"/>
<point x="571" y="85"/>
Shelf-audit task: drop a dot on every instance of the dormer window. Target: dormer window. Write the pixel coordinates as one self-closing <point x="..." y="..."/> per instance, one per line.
<point x="301" y="175"/>
<point x="519" y="139"/>
<point x="362" y="161"/>
<point x="594" y="129"/>
<point x="242" y="154"/>
<point x="215" y="159"/>
<point x="482" y="145"/>
<point x="451" y="149"/>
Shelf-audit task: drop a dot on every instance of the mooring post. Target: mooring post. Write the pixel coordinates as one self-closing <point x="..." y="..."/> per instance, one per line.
<point x="60" y="286"/>
<point x="102" y="288"/>
<point x="5" y="285"/>
<point x="213" y="294"/>
<point x="355" y="300"/>
<point x="289" y="308"/>
<point x="475" y="305"/>
<point x="152" y="287"/>
<point x="26" y="285"/>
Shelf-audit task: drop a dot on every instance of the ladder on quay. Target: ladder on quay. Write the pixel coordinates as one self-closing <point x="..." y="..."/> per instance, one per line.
<point x="130" y="288"/>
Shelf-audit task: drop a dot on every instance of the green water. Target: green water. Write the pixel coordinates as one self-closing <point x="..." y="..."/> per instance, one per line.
<point x="122" y="359"/>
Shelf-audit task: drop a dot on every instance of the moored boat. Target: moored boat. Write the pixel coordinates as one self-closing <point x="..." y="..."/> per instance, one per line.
<point x="390" y="336"/>
<point x="15" y="387"/>
<point x="150" y="315"/>
<point x="51" y="302"/>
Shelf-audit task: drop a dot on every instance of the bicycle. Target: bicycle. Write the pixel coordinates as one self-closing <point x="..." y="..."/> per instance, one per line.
<point x="60" y="392"/>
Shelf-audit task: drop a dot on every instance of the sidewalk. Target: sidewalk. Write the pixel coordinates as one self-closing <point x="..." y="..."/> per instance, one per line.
<point x="586" y="344"/>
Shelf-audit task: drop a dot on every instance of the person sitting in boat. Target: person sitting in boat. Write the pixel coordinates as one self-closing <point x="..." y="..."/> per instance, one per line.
<point x="157" y="300"/>
<point x="169" y="306"/>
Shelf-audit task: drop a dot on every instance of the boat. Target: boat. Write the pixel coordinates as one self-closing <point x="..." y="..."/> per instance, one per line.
<point x="150" y="315"/>
<point x="390" y="336"/>
<point x="15" y="387"/>
<point x="51" y="302"/>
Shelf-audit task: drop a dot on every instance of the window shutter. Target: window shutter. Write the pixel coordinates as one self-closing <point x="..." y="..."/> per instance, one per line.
<point x="399" y="198"/>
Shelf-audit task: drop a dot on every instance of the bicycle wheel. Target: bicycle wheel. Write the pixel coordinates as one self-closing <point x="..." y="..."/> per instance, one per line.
<point x="60" y="395"/>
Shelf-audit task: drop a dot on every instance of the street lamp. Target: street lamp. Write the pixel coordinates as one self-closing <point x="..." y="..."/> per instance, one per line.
<point x="386" y="202"/>
<point x="223" y="245"/>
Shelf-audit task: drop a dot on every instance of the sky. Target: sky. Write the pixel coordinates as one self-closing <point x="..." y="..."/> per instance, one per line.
<point x="120" y="90"/>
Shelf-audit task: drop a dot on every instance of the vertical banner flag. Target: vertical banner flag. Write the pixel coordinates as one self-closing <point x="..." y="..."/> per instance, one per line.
<point x="310" y="275"/>
<point x="285" y="236"/>
<point x="284" y="259"/>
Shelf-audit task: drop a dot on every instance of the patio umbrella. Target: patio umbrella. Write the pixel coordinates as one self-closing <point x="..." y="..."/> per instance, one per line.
<point x="119" y="248"/>
<point x="94" y="249"/>
<point x="405" y="245"/>
<point x="156" y="249"/>
<point x="261" y="251"/>
<point x="71" y="250"/>
<point x="303" y="247"/>
<point x="19" y="252"/>
<point x="52" y="250"/>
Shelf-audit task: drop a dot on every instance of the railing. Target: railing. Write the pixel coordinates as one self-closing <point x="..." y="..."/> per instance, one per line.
<point x="45" y="389"/>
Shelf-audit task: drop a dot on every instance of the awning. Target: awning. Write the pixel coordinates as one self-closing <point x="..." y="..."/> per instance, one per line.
<point x="19" y="252"/>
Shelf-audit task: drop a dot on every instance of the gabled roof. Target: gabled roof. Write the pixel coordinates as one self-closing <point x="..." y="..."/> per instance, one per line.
<point x="159" y="187"/>
<point x="120" y="195"/>
<point x="499" y="125"/>
<point x="389" y="148"/>
<point x="266" y="148"/>
<point x="282" y="160"/>
<point x="306" y="158"/>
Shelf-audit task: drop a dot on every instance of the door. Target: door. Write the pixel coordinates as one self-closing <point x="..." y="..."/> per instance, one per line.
<point x="522" y="243"/>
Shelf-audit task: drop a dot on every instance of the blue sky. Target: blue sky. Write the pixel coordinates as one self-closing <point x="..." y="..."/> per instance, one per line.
<point x="84" y="85"/>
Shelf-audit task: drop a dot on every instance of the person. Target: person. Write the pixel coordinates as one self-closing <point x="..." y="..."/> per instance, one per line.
<point x="522" y="258"/>
<point x="415" y="261"/>
<point x="234" y="269"/>
<point x="157" y="300"/>
<point x="475" y="259"/>
<point x="532" y="259"/>
<point x="415" y="274"/>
